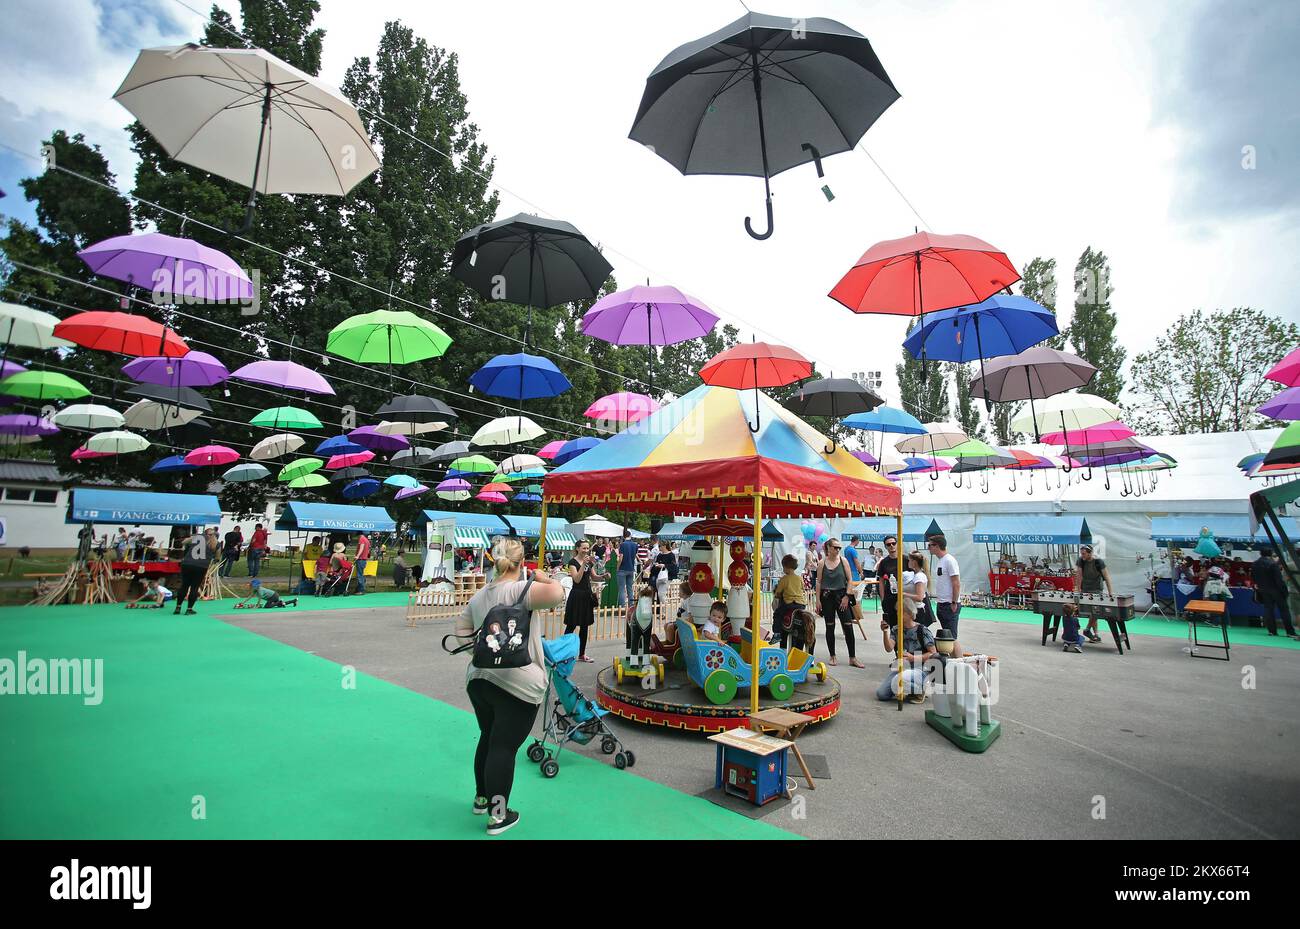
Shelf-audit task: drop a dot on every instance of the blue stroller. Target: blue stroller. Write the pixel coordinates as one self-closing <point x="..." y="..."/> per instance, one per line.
<point x="570" y="716"/>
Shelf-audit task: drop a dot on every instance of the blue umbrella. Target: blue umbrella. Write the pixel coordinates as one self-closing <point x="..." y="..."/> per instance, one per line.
<point x="528" y="498"/>
<point x="172" y="464"/>
<point x="520" y="377"/>
<point x="339" y="445"/>
<point x="572" y="449"/>
<point x="885" y="419"/>
<point x="361" y="487"/>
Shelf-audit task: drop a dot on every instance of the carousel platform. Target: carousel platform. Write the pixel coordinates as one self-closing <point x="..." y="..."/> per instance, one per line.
<point x="681" y="704"/>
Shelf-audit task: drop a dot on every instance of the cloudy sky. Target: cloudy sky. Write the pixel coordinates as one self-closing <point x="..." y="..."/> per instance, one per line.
<point x="1042" y="128"/>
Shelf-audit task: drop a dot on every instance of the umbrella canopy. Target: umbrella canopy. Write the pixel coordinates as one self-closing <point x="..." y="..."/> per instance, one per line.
<point x="1286" y="372"/>
<point x="194" y="369"/>
<point x="151" y="415"/>
<point x="755" y="365"/>
<point x="408" y="428"/>
<point x="721" y="528"/>
<point x="172" y="464"/>
<point x="520" y="377"/>
<point x="212" y="455"/>
<point x="548" y="451"/>
<point x="349" y="459"/>
<point x="453" y="495"/>
<point x="308" y="480"/>
<point x="622" y="407"/>
<point x="453" y="484"/>
<point x="1034" y="374"/>
<point x="921" y="273"/>
<point x="123" y="333"/>
<point x="472" y="464"/>
<point x="757" y="97"/>
<point x="532" y="474"/>
<point x="1251" y="461"/>
<point x="8" y="368"/>
<point x="79" y="454"/>
<point x="519" y="464"/>
<point x="360" y="488"/>
<point x="401" y="480"/>
<point x="88" y="416"/>
<point x="1068" y="411"/>
<point x="414" y="457"/>
<point x="394" y="337"/>
<point x="24" y="327"/>
<point x="496" y="488"/>
<point x="276" y="445"/>
<point x="1286" y="405"/>
<point x="169" y="266"/>
<point x="367" y="437"/>
<point x="339" y="445"/>
<point x="573" y="448"/>
<point x="938" y="436"/>
<point x="971" y="448"/>
<point x="1003" y="324"/>
<point x="24" y="424"/>
<point x="507" y="430"/>
<point x="645" y="315"/>
<point x="186" y="398"/>
<point x="343" y="475"/>
<point x="835" y="397"/>
<point x="529" y="261"/>
<point x="116" y="442"/>
<point x="886" y="419"/>
<point x="242" y="473"/>
<point x="286" y="417"/>
<point x="407" y="492"/>
<point x="866" y="458"/>
<point x="414" y="408"/>
<point x="446" y="451"/>
<point x="249" y="117"/>
<point x="42" y="385"/>
<point x="527" y="498"/>
<point x="1092" y="435"/>
<point x="284" y="374"/>
<point x="299" y="467"/>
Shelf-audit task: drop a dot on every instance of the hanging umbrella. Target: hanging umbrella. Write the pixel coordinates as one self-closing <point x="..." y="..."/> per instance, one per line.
<point x="532" y="489"/>
<point x="533" y="474"/>
<point x="1035" y="374"/>
<point x="116" y="442"/>
<point x="343" y="475"/>
<point x="392" y="337"/>
<point x="496" y="488"/>
<point x="88" y="416"/>
<point x="308" y="480"/>
<point x="866" y="458"/>
<point x="755" y="365"/>
<point x="25" y="327"/>
<point x="286" y="417"/>
<point x="339" y="445"/>
<point x="83" y="454"/>
<point x="937" y="437"/>
<point x="414" y="457"/>
<point x="518" y="464"/>
<point x="547" y="451"/>
<point x="175" y="269"/>
<point x="1286" y="372"/>
<point x="242" y="473"/>
<point x="445" y="451"/>
<point x="1103" y="432"/>
<point x="453" y="495"/>
<point x="886" y="419"/>
<point x="42" y="385"/>
<point x="520" y="377"/>
<point x="194" y="369"/>
<point x="507" y="430"/>
<point x="623" y="407"/>
<point x="186" y="398"/>
<point x="8" y="368"/>
<point x="24" y="424"/>
<point x="275" y="446"/>
<point x="367" y="437"/>
<point x="1286" y="447"/>
<point x="151" y="415"/>
<point x="401" y="481"/>
<point x="760" y="96"/>
<point x="472" y="464"/>
<point x="1286" y="405"/>
<point x="408" y="428"/>
<point x="572" y="449"/>
<point x="122" y="333"/>
<point x="359" y="489"/>
<point x="349" y="459"/>
<point x="299" y="467"/>
<point x="453" y="484"/>
<point x="1070" y="411"/>
<point x="490" y="497"/>
<point x="209" y="456"/>
<point x="835" y="397"/>
<point x="527" y="498"/>
<point x="287" y="375"/>
<point x="407" y="492"/>
<point x="649" y="316"/>
<point x="414" y="408"/>
<point x="173" y="464"/>
<point x="240" y="113"/>
<point x="1251" y="461"/>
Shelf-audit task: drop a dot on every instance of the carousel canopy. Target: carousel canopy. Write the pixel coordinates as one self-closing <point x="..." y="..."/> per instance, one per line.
<point x="698" y="455"/>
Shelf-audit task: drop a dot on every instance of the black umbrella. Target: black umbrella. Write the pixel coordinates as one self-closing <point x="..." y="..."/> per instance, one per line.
<point x="417" y="409"/>
<point x="835" y="397"/>
<point x="530" y="261"/>
<point x="762" y="95"/>
<point x="343" y="475"/>
<point x="187" y="398"/>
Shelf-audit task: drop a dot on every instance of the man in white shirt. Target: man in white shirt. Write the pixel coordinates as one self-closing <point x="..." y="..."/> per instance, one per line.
<point x="947" y="583"/>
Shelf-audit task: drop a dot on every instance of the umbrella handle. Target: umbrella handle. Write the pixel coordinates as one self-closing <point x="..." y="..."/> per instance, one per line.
<point x="1107" y="478"/>
<point x="1029" y="490"/>
<point x="816" y="156"/>
<point x="768" y="234"/>
<point x="830" y="449"/>
<point x="1088" y="476"/>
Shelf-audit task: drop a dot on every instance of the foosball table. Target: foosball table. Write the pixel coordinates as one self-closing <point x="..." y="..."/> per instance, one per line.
<point x="1115" y="610"/>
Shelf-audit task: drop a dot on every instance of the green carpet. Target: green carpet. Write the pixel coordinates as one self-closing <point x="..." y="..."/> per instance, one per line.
<point x="276" y="747"/>
<point x="1146" y="625"/>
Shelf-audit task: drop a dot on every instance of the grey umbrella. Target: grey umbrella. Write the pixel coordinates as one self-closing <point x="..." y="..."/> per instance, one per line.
<point x="413" y="457"/>
<point x="761" y="95"/>
<point x="1035" y="374"/>
<point x="835" y="397"/>
<point x="447" y="451"/>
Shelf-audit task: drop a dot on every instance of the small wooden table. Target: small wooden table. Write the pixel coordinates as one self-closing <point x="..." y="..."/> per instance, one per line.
<point x="1215" y="609"/>
<point x="787" y="725"/>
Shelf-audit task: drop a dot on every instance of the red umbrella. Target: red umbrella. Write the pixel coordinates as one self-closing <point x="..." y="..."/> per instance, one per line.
<point x="123" y="333"/>
<point x="756" y="364"/>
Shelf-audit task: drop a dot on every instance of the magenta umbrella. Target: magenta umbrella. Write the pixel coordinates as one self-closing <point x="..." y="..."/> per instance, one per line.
<point x="84" y="453"/>
<point x="349" y="460"/>
<point x="491" y="497"/>
<point x="1286" y="405"/>
<point x="197" y="369"/>
<point x="622" y="407"/>
<point x="285" y="374"/>
<point x="1112" y="431"/>
<point x="550" y="449"/>
<point x="211" y="456"/>
<point x="26" y="424"/>
<point x="367" y="437"/>
<point x="169" y="266"/>
<point x="648" y="316"/>
<point x="1287" y="371"/>
<point x="406" y="492"/>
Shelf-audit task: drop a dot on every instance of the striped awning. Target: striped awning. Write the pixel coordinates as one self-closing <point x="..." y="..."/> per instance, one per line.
<point x="560" y="539"/>
<point x="472" y="537"/>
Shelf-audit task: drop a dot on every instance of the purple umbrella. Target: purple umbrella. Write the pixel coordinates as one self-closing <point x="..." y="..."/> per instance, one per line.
<point x="10" y="367"/>
<point x="25" y="424"/>
<point x="1286" y="405"/>
<point x="171" y="266"/>
<point x="286" y="374"/>
<point x="406" y="492"/>
<point x="453" y="484"/>
<point x="196" y="369"/>
<point x="866" y="458"/>
<point x="648" y="316"/>
<point x="368" y="438"/>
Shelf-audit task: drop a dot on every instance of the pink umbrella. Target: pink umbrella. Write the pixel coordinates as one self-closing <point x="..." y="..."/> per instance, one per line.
<point x="286" y="374"/>
<point x="1112" y="431"/>
<point x="350" y="460"/>
<point x="935" y="465"/>
<point x="491" y="497"/>
<point x="211" y="456"/>
<point x="549" y="450"/>
<point x="1287" y="371"/>
<point x="622" y="407"/>
<point x="82" y="454"/>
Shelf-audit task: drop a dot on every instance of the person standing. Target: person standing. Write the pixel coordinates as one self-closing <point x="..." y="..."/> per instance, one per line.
<point x="1271" y="592"/>
<point x="505" y="700"/>
<point x="580" y="608"/>
<point x="887" y="581"/>
<point x="627" y="568"/>
<point x="200" y="549"/>
<point x="234" y="543"/>
<point x="256" y="550"/>
<point x="947" y="583"/>
<point x="833" y="600"/>
<point x="1089" y="573"/>
<point x="363" y="555"/>
<point x="664" y="571"/>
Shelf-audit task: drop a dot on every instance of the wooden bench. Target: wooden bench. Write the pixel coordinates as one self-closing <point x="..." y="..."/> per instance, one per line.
<point x="1213" y="610"/>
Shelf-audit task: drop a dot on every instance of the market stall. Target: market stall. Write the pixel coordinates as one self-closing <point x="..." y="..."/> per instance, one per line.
<point x="1051" y="567"/>
<point x="303" y="520"/>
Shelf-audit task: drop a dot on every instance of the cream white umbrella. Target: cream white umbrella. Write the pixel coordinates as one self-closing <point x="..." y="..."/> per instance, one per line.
<point x="598" y="526"/>
<point x="517" y="464"/>
<point x="507" y="431"/>
<point x="151" y="415"/>
<point x="28" y="328"/>
<point x="276" y="445"/>
<point x="249" y="117"/>
<point x="938" y="437"/>
<point x="88" y="416"/>
<point x="1069" y="411"/>
<point x="116" y="442"/>
<point x="453" y="495"/>
<point x="406" y="427"/>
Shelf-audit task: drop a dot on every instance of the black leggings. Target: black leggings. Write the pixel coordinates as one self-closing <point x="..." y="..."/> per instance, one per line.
<point x="831" y="610"/>
<point x="582" y="637"/>
<point x="504" y="721"/>
<point x="191" y="580"/>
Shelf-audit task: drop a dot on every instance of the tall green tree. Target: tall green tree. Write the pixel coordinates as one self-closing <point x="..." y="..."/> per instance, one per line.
<point x="968" y="412"/>
<point x="925" y="398"/>
<point x="1092" y="328"/>
<point x="1206" y="374"/>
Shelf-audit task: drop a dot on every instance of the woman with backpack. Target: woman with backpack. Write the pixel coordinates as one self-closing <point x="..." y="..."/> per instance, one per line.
<point x="505" y="698"/>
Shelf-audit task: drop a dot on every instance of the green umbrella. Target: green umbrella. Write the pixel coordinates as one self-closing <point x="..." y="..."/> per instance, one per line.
<point x="533" y="489"/>
<point x="971" y="448"/>
<point x="309" y="480"/>
<point x="42" y="385"/>
<point x="300" y="467"/>
<point x="286" y="417"/>
<point x="394" y="337"/>
<point x="472" y="464"/>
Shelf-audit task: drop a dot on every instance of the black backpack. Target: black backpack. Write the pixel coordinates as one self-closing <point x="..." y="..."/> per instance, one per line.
<point x="496" y="643"/>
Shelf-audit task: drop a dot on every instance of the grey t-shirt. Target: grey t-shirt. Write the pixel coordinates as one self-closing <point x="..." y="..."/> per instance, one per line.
<point x="527" y="683"/>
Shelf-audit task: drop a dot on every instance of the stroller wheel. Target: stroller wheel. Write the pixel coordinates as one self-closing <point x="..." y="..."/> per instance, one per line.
<point x="620" y="760"/>
<point x="550" y="767"/>
<point x="631" y="759"/>
<point x="607" y="745"/>
<point x="536" y="753"/>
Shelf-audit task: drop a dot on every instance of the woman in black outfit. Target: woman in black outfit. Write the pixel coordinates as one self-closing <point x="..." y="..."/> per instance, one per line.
<point x="199" y="552"/>
<point x="580" y="608"/>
